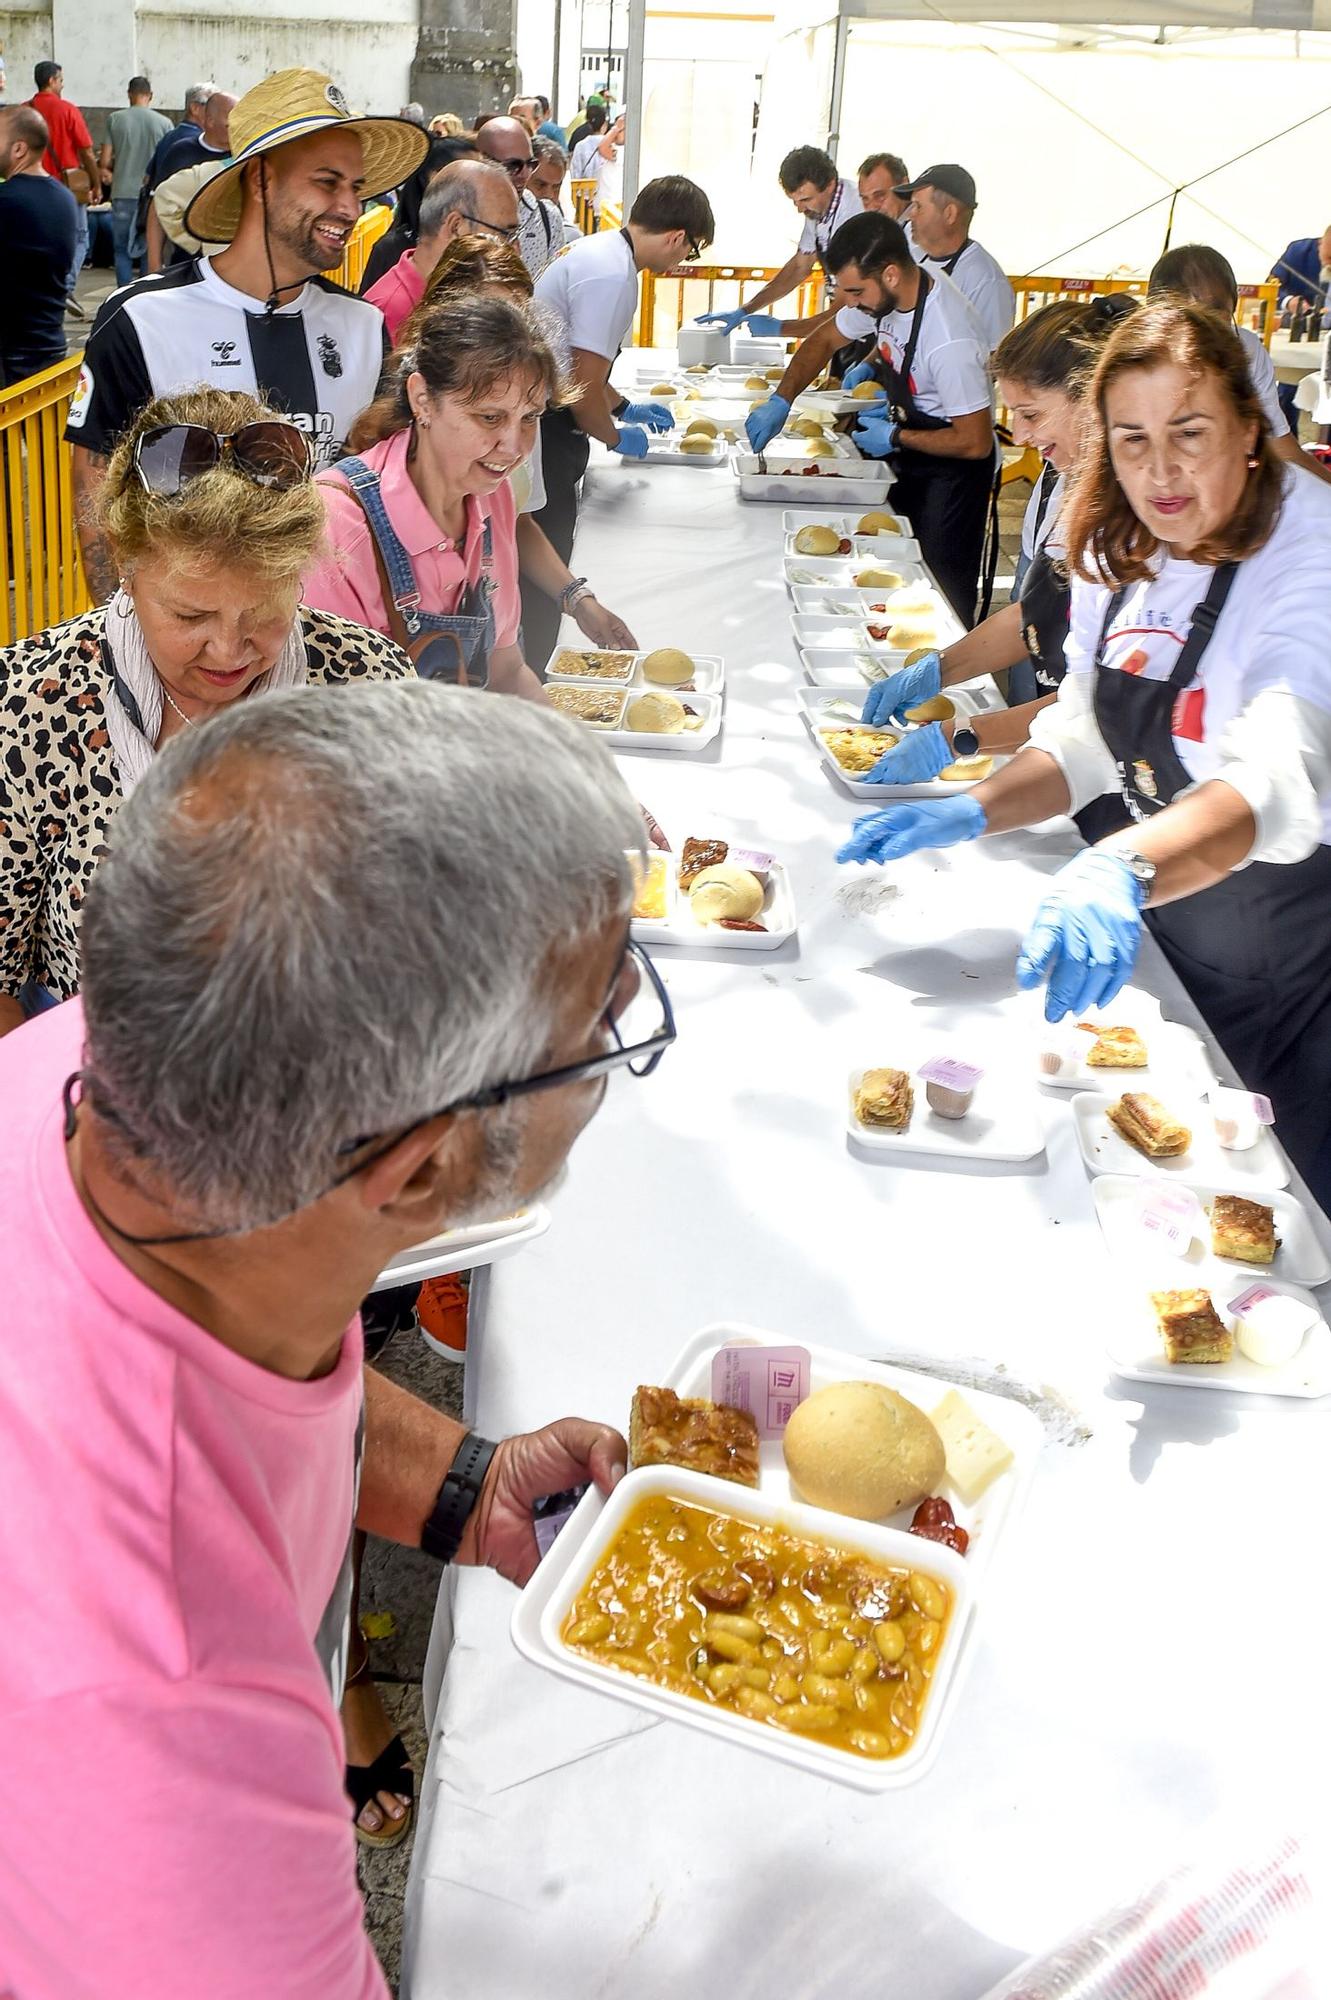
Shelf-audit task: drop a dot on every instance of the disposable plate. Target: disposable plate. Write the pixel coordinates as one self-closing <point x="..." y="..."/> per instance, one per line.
<point x="709" y="679"/>
<point x="540" y="1608"/>
<point x="1135" y="1351"/>
<point x="850" y="600"/>
<point x="1003" y="1122"/>
<point x="679" y="926"/>
<point x="465" y="1249"/>
<point x="839" y="572"/>
<point x="847" y="525"/>
<point x="1177" y="1061"/>
<point x="1299" y="1259"/>
<point x="860" y="788"/>
<point x="798" y="452"/>
<point x="687" y="742"/>
<point x="1105" y="1151"/>
<point x="664" y="449"/>
<point x="838" y="706"/>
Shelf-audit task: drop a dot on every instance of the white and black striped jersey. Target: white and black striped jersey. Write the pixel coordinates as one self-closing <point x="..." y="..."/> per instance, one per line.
<point x="317" y="359"/>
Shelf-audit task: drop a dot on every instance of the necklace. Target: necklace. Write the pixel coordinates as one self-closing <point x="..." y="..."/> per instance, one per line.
<point x="188" y="720"/>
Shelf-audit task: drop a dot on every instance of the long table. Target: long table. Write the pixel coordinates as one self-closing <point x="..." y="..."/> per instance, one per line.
<point x="1146" y="1653"/>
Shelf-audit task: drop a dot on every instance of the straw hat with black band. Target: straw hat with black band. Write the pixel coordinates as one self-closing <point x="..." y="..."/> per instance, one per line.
<point x="293" y="104"/>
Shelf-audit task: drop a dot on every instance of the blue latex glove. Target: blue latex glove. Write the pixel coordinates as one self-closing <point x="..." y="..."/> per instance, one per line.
<point x="902" y="690"/>
<point x="632" y="442"/>
<point x="763" y="326"/>
<point x="727" y="321"/>
<point x="919" y="756"/>
<point x="899" y="830"/>
<point x="863" y="371"/>
<point x="765" y="423"/>
<point x="655" y="416"/>
<point x="1086" y="935"/>
<point x="876" y="432"/>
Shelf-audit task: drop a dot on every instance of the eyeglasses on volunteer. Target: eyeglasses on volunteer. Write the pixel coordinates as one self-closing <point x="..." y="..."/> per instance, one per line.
<point x="509" y="234"/>
<point x="273" y="454"/>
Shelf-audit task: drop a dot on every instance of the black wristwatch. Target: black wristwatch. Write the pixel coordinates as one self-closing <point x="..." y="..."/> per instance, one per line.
<point x="441" y="1536"/>
<point x="965" y="742"/>
<point x="618" y="409"/>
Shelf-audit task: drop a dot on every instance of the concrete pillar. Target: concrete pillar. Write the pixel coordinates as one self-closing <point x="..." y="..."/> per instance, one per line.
<point x="97" y="43"/>
<point x="465" y="57"/>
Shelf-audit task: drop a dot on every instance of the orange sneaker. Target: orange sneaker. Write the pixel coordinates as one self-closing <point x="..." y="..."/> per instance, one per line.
<point x="442" y="1310"/>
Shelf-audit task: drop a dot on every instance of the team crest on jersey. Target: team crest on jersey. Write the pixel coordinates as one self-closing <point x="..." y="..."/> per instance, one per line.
<point x="79" y="401"/>
<point x="1143" y="778"/>
<point x="328" y="355"/>
<point x="338" y="101"/>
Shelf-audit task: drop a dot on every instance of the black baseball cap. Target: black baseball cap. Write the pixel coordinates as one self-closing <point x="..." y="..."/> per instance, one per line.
<point x="949" y="180"/>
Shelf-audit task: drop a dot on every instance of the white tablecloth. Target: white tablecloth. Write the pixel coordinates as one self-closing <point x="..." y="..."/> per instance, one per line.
<point x="1146" y="1651"/>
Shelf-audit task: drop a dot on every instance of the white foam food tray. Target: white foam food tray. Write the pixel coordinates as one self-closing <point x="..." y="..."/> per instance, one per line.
<point x="542" y="1606"/>
<point x="680" y="927"/>
<point x="709" y="679"/>
<point x="1135" y="1350"/>
<point x="852" y="600"/>
<point x="860" y="788"/>
<point x="845" y="525"/>
<point x="829" y="403"/>
<point x="797" y="452"/>
<point x="856" y="482"/>
<point x="465" y="1249"/>
<point x="830" y="707"/>
<point x="1003" y="1122"/>
<point x="1106" y="1151"/>
<point x="664" y="449"/>
<point x="1299" y="1260"/>
<point x="686" y="743"/>
<point x="839" y="572"/>
<point x="1176" y="1063"/>
<point x="726" y="411"/>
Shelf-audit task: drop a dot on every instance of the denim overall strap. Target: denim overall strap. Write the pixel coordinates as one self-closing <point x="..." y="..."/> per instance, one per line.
<point x="364" y="483"/>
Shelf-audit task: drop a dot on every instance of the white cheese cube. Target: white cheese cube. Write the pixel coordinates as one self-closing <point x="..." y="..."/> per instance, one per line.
<point x="975" y="1454"/>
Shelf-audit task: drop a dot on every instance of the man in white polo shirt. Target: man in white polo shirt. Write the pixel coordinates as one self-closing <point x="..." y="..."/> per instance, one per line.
<point x="939" y="207"/>
<point x="589" y="296"/>
<point x="809" y="177"/>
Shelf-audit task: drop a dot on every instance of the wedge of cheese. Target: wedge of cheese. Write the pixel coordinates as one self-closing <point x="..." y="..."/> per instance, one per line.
<point x="975" y="1454"/>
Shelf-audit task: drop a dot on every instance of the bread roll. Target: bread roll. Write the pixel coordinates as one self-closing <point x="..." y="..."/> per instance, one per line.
<point x="703" y="425"/>
<point x="821" y="448"/>
<point x="697" y="444"/>
<point x="817" y="541"/>
<point x="878" y="524"/>
<point x="656" y="715"/>
<point x="725" y="891"/>
<point x="860" y="1449"/>
<point x="662" y="389"/>
<point x="668" y="667"/>
<point x="867" y="392"/>
<point x="937" y="709"/>
<point x="755" y="382"/>
<point x="877" y="579"/>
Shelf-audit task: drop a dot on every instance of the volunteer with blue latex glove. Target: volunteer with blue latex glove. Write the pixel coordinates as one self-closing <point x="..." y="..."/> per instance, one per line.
<point x="889" y="698"/>
<point x="863" y="371"/>
<point x="652" y="416"/>
<point x="809" y="176"/>
<point x="900" y="830"/>
<point x="766" y="422"/>
<point x="632" y="442"/>
<point x="876" y="434"/>
<point x="1086" y="934"/>
<point x="919" y="756"/>
<point x="726" y="321"/>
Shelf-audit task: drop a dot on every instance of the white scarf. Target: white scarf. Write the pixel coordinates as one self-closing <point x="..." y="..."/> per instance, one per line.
<point x="134" y="747"/>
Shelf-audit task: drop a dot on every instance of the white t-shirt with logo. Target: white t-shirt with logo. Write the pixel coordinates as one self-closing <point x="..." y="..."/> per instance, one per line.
<point x="817" y="234"/>
<point x="316" y="359"/>
<point x="1258" y="713"/>
<point x="1262" y="375"/>
<point x="1033" y="537"/>
<point x="984" y="282"/>
<point x="592" y="295"/>
<point x="950" y="371"/>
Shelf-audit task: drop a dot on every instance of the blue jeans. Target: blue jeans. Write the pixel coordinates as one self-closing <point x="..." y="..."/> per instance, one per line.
<point x="128" y="251"/>
<point x="80" y="245"/>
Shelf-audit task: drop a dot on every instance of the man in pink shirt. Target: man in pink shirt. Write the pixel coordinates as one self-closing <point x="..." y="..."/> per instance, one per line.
<point x="464" y="199"/>
<point x="266" y="1092"/>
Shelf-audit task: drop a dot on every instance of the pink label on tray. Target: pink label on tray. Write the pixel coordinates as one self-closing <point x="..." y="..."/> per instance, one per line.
<point x="751" y="858"/>
<point x="951" y="1073"/>
<point x="1253" y="1296"/>
<point x="1262" y="1106"/>
<point x="766" y="1381"/>
<point x="1170" y="1217"/>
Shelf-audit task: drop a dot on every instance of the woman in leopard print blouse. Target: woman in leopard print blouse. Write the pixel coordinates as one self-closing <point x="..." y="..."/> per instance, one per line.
<point x="207" y="613"/>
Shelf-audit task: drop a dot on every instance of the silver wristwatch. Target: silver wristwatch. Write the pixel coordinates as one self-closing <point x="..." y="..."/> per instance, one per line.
<point x="1143" y="874"/>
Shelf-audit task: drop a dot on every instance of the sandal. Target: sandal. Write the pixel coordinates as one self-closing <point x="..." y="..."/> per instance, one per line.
<point x="390" y="1772"/>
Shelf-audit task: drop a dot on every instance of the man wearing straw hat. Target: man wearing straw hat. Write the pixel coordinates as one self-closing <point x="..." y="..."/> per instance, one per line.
<point x="259" y="315"/>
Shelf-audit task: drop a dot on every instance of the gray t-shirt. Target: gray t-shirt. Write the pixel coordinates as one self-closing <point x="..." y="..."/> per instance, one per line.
<point x="134" y="133"/>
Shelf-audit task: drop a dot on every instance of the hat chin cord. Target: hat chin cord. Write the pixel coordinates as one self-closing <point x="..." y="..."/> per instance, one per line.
<point x="274" y="299"/>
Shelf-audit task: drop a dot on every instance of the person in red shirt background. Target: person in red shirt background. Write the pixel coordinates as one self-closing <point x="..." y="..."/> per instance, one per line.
<point x="70" y="152"/>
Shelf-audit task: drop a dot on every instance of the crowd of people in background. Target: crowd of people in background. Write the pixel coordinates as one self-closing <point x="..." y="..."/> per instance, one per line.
<point x="289" y="490"/>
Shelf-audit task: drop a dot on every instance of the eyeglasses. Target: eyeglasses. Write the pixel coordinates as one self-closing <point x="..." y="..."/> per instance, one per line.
<point x="505" y="235"/>
<point x="271" y="454"/>
<point x="517" y="167"/>
<point x="638" y="1019"/>
<point x="694" y="250"/>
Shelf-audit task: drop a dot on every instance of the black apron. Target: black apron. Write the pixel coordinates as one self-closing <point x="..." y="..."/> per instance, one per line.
<point x="1254" y="951"/>
<point x="946" y="499"/>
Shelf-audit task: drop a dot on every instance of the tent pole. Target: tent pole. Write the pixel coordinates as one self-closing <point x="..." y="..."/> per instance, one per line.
<point x="838" y="83"/>
<point x="633" y="57"/>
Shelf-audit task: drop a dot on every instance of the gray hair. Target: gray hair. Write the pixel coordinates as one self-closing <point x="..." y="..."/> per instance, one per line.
<point x="454" y="187"/>
<point x="326" y="915"/>
<point x="197" y="95"/>
<point x="549" y="149"/>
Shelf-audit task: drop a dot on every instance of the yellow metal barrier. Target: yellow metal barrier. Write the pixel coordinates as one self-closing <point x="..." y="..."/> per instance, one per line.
<point x="583" y="196"/>
<point x="46" y="581"/>
<point x="372" y="225"/>
<point x="1257" y="303"/>
<point x="693" y="291"/>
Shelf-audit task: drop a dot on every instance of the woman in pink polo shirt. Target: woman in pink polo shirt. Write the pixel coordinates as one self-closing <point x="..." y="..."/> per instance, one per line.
<point x="421" y="523"/>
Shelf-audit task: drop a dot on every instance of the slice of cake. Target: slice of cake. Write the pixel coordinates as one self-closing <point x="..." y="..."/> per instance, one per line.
<point x="1191" y="1329"/>
<point x="885" y="1098"/>
<point x="1244" y="1230"/>
<point x="1145" y="1124"/>
<point x="666" y="1429"/>
<point x="1117" y="1048"/>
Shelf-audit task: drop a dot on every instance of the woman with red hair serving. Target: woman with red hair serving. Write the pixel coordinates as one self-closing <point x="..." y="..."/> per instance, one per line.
<point x="1199" y="686"/>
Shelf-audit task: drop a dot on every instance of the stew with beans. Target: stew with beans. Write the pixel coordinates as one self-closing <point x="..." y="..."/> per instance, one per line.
<point x="767" y="1624"/>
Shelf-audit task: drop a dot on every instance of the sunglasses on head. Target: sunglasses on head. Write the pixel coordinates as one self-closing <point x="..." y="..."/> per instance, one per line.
<point x="272" y="453"/>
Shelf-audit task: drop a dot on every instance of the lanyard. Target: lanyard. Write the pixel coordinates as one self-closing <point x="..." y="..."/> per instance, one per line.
<point x="1204" y="621"/>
